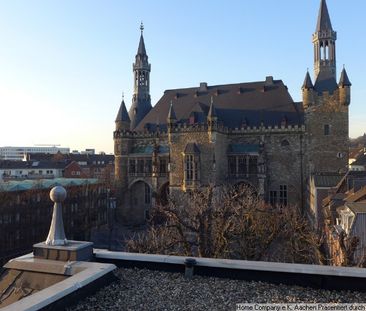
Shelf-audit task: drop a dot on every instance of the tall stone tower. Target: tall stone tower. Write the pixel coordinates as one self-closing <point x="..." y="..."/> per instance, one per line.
<point x="326" y="103"/>
<point x="141" y="101"/>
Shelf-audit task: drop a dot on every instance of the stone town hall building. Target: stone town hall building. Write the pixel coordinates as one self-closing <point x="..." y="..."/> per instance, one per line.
<point x="250" y="133"/>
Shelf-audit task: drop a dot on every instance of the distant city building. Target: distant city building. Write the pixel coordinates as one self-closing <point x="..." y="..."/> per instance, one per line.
<point x="19" y="153"/>
<point x="345" y="217"/>
<point x="18" y="170"/>
<point x="359" y="164"/>
<point x="26" y="210"/>
<point x="88" y="151"/>
<point x="252" y="133"/>
<point x="41" y="166"/>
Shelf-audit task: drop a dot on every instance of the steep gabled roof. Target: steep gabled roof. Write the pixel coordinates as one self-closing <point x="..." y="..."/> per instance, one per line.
<point x="254" y="102"/>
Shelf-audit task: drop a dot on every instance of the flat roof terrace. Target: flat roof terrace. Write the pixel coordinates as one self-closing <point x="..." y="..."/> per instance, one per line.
<point x="142" y="289"/>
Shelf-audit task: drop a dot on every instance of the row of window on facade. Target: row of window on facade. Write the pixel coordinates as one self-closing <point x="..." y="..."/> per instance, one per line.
<point x="279" y="197"/>
<point x="243" y="165"/>
<point x="144" y="166"/>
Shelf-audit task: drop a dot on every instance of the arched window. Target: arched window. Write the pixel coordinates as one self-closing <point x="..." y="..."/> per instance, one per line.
<point x="191" y="165"/>
<point x="285" y="143"/>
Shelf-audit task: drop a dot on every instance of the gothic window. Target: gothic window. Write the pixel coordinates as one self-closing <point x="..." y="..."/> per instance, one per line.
<point x="147" y="194"/>
<point x="273" y="197"/>
<point x="148" y="166"/>
<point x="191" y="164"/>
<point x="163" y="166"/>
<point x="232" y="165"/>
<point x="326" y="129"/>
<point x="283" y="195"/>
<point x="242" y="165"/>
<point x="253" y="165"/>
<point x="189" y="167"/>
<point x="140" y="166"/>
<point x="132" y="166"/>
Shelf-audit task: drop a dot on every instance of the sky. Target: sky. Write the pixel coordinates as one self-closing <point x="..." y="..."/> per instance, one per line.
<point x="64" y="64"/>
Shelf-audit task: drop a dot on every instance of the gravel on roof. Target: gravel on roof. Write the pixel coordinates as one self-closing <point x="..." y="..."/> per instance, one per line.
<point x="141" y="289"/>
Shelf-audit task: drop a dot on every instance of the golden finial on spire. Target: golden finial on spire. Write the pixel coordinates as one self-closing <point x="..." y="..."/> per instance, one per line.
<point x="123" y="96"/>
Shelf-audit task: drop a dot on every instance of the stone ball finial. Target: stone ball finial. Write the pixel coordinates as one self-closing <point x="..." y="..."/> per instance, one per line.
<point x="58" y="194"/>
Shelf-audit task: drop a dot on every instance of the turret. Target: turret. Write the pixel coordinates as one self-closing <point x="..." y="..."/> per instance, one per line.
<point x="123" y="121"/>
<point x="344" y="86"/>
<point x="212" y="122"/>
<point x="212" y="115"/>
<point x="171" y="118"/>
<point x="307" y="91"/>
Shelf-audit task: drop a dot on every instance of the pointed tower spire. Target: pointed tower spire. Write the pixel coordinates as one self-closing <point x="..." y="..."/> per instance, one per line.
<point x="344" y="81"/>
<point x="141" y="102"/>
<point x="324" y="40"/>
<point x="123" y="121"/>
<point x="324" y="22"/>
<point x="308" y="84"/>
<point x="212" y="112"/>
<point x="141" y="49"/>
<point x="171" y="114"/>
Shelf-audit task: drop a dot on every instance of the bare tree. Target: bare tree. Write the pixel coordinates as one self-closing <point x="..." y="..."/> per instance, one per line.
<point x="228" y="222"/>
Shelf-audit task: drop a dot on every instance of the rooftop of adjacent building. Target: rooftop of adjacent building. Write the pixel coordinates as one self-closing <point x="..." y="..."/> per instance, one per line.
<point x="15" y="185"/>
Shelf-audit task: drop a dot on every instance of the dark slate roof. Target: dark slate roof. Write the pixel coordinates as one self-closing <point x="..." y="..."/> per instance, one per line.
<point x="243" y="148"/>
<point x="327" y="180"/>
<point x="141" y="49"/>
<point x="324" y="22"/>
<point x="122" y="114"/>
<point x="6" y="164"/>
<point x="235" y="104"/>
<point x="325" y="82"/>
<point x="308" y="84"/>
<point x="344" y="81"/>
<point x="191" y="148"/>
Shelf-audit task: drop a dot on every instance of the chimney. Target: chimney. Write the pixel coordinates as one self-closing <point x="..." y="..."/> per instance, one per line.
<point x="269" y="81"/>
<point x="203" y="86"/>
